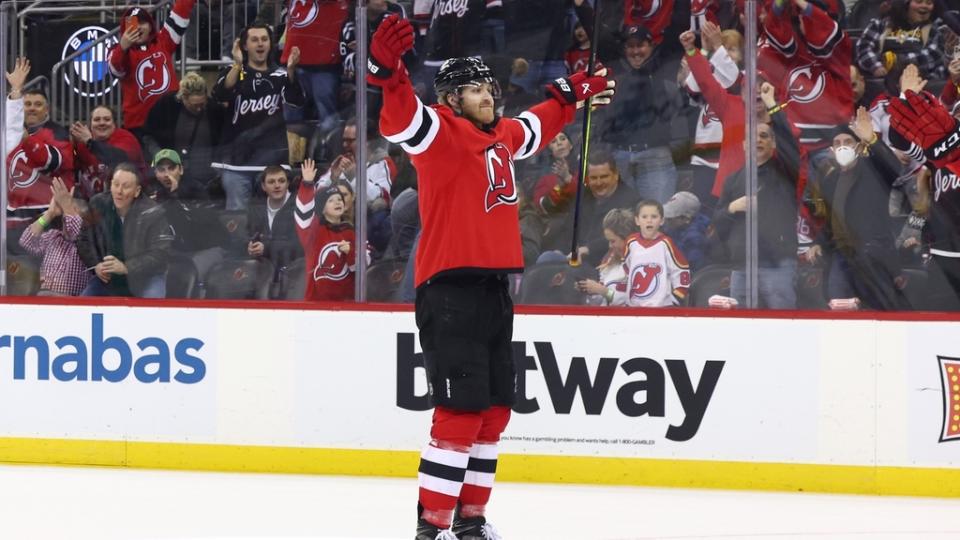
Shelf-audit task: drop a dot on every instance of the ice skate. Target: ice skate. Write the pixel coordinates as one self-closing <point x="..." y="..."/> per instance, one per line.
<point x="429" y="531"/>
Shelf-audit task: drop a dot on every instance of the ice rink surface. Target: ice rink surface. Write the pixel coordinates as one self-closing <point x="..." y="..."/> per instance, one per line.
<point x="66" y="503"/>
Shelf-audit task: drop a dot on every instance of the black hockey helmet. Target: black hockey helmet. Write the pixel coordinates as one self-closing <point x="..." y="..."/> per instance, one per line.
<point x="459" y="72"/>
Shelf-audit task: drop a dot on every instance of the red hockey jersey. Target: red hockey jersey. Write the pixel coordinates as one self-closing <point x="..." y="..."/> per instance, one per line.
<point x="93" y="172"/>
<point x="31" y="167"/>
<point x="815" y="69"/>
<point x="329" y="273"/>
<point x="467" y="187"/>
<point x="146" y="72"/>
<point x="314" y="26"/>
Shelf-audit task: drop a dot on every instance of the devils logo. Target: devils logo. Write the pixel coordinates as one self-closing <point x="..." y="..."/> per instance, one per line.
<point x="503" y="187"/>
<point x="331" y="264"/>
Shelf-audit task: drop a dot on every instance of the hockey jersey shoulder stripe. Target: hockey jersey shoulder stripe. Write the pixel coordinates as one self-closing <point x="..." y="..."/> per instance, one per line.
<point x="827" y="48"/>
<point x="531" y="135"/>
<point x="418" y="127"/>
<point x="305" y="207"/>
<point x="425" y="135"/>
<point x="787" y="49"/>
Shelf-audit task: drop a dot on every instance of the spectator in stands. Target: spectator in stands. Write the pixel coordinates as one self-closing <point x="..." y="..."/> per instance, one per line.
<point x="546" y="26"/>
<point x="38" y="150"/>
<point x="128" y="240"/>
<point x="688" y="226"/>
<point x="99" y="146"/>
<point x="778" y="168"/>
<point x="255" y="135"/>
<point x="451" y="29"/>
<point x="53" y="237"/>
<point x="197" y="232"/>
<point x="377" y="10"/>
<point x="346" y="191"/>
<point x="657" y="274"/>
<point x="858" y="235"/>
<point x="806" y="55"/>
<point x="143" y="60"/>
<point x="618" y="225"/>
<point x="727" y="106"/>
<point x="908" y="34"/>
<point x="577" y="57"/>
<point x="328" y="241"/>
<point x="314" y="27"/>
<point x="605" y="192"/>
<point x="638" y="123"/>
<point x="270" y="221"/>
<point x="190" y="123"/>
<point x="725" y="51"/>
<point x="380" y="173"/>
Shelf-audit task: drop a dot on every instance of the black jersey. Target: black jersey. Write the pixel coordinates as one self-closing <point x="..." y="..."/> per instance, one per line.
<point x="254" y="133"/>
<point x="453" y="28"/>
<point x="944" y="221"/>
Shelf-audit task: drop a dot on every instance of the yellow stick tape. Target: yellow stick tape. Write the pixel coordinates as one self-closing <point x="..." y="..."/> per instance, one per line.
<point x="855" y="479"/>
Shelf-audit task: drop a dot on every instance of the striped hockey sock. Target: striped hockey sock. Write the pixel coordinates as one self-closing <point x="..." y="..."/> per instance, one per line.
<point x="479" y="479"/>
<point x="441" y="477"/>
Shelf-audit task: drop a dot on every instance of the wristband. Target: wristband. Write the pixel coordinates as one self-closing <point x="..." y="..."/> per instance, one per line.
<point x="692" y="52"/>
<point x="777" y="108"/>
<point x="608" y="295"/>
<point x="43" y="223"/>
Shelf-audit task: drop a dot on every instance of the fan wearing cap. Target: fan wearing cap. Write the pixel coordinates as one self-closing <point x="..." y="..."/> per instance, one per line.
<point x="684" y="222"/>
<point x="638" y="125"/>
<point x="464" y="155"/>
<point x="328" y="241"/>
<point x="143" y="59"/>
<point x="864" y="263"/>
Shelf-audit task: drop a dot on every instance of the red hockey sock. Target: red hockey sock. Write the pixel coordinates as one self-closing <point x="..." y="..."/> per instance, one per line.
<point x="443" y="463"/>
<point x="482" y="467"/>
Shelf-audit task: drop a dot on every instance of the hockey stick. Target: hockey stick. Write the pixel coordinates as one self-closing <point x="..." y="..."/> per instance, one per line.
<point x="585" y="141"/>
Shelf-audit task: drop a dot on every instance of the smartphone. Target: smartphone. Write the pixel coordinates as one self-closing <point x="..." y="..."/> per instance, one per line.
<point x="956" y="51"/>
<point x="133" y="22"/>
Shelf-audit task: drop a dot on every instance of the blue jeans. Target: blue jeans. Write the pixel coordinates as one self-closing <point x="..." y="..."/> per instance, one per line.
<point x="775" y="287"/>
<point x="238" y="186"/>
<point x="651" y="172"/>
<point x="155" y="287"/>
<point x="322" y="87"/>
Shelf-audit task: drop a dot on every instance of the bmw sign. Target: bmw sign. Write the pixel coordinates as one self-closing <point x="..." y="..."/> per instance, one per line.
<point x="88" y="73"/>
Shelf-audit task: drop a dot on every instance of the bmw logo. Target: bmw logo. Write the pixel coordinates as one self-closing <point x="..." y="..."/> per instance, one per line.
<point x="88" y="73"/>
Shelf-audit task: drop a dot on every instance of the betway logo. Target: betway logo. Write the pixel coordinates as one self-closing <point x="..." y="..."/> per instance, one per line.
<point x="645" y="396"/>
<point x="72" y="358"/>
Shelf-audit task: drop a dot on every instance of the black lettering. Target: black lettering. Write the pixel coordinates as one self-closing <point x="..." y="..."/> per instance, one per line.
<point x="694" y="401"/>
<point x="653" y="385"/>
<point x="563" y="392"/>
<point x="408" y="362"/>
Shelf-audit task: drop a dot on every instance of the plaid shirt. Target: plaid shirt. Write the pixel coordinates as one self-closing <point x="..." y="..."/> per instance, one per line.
<point x="929" y="58"/>
<point x="61" y="270"/>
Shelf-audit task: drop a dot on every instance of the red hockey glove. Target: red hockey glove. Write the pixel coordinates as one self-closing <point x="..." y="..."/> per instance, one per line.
<point x="40" y="155"/>
<point x="923" y="120"/>
<point x="580" y="86"/>
<point x="393" y="38"/>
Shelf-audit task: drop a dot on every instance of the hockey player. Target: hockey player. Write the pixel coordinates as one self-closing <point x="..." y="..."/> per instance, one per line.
<point x="921" y="118"/>
<point x="657" y="273"/>
<point x="464" y="158"/>
<point x="327" y="240"/>
<point x="143" y="60"/>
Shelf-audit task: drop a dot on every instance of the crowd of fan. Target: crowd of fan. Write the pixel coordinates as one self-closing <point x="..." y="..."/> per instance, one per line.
<point x="255" y="177"/>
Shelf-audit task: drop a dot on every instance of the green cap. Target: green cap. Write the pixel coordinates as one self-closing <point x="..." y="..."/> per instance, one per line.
<point x="166" y="153"/>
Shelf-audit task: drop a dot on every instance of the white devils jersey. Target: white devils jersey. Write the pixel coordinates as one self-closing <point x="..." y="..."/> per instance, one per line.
<point x="657" y="273"/>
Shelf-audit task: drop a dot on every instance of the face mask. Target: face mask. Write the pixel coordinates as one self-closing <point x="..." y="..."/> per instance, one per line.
<point x="844" y="155"/>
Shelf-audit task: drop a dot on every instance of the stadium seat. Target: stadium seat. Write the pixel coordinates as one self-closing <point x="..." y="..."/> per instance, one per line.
<point x="554" y="284"/>
<point x="916" y="293"/>
<point x="182" y="277"/>
<point x="384" y="278"/>
<point x="708" y="281"/>
<point x="234" y="225"/>
<point x="23" y="275"/>
<point x="239" y="279"/>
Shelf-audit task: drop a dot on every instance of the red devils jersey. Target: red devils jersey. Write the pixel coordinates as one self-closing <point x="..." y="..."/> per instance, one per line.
<point x="330" y="274"/>
<point x="654" y="15"/>
<point x="467" y="188"/>
<point x="31" y="167"/>
<point x="815" y="68"/>
<point x="146" y="72"/>
<point x="93" y="171"/>
<point x="314" y="26"/>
